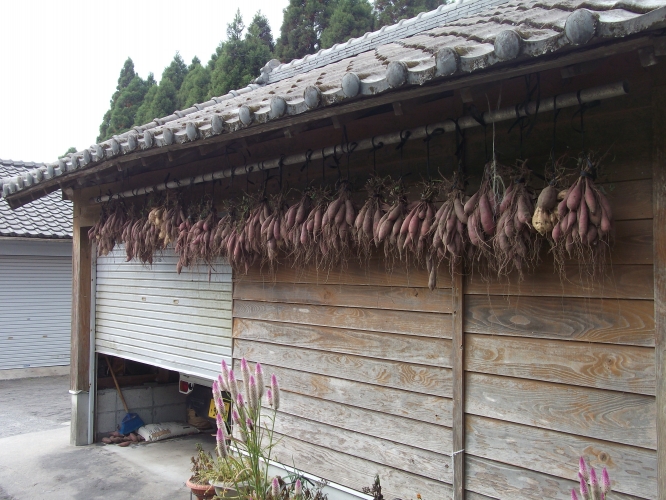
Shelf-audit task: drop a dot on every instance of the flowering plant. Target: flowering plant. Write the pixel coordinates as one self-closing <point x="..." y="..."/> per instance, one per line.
<point x="248" y="449"/>
<point x="591" y="488"/>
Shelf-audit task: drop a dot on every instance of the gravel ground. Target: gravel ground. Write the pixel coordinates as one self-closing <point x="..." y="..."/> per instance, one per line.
<point x="33" y="404"/>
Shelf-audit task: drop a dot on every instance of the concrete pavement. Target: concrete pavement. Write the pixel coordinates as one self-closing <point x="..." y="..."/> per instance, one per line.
<point x="37" y="461"/>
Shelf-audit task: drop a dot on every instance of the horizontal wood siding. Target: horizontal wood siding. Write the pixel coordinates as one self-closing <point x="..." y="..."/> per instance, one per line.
<point x="364" y="360"/>
<point x="558" y="369"/>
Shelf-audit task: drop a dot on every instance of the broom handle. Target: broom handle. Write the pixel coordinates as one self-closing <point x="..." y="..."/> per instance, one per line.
<point x="116" y="382"/>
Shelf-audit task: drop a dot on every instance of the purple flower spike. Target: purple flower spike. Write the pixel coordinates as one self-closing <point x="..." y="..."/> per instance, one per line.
<point x="222" y="383"/>
<point x="240" y="402"/>
<point x="259" y="375"/>
<point x="582" y="468"/>
<point x="269" y="396"/>
<point x="216" y="390"/>
<point x="276" y="392"/>
<point x="298" y="489"/>
<point x="249" y="423"/>
<point x="219" y="421"/>
<point x="253" y="393"/>
<point x="594" y="485"/>
<point x="233" y="385"/>
<point x="245" y="370"/>
<point x="584" y="492"/>
<point x="236" y="417"/>
<point x="574" y="496"/>
<point x="275" y="488"/>
<point x="221" y="443"/>
<point x="605" y="482"/>
<point x="219" y="405"/>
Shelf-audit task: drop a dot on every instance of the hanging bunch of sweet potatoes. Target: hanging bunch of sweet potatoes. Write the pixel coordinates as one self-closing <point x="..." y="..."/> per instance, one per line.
<point x="336" y="227"/>
<point x="108" y="230"/>
<point x="585" y="224"/>
<point x="417" y="223"/>
<point x="450" y="237"/>
<point x="141" y="239"/>
<point x="514" y="245"/>
<point x="273" y="231"/>
<point x="309" y="242"/>
<point x="369" y="216"/>
<point x="481" y="210"/>
<point x="387" y="230"/>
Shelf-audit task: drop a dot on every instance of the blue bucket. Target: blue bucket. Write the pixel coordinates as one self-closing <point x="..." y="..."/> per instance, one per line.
<point x="130" y="423"/>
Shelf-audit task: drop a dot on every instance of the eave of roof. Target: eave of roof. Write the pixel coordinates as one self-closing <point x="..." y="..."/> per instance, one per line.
<point x="503" y="32"/>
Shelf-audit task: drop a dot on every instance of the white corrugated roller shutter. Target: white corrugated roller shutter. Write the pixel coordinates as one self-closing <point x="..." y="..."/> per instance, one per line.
<point x="35" y="311"/>
<point x="156" y="316"/>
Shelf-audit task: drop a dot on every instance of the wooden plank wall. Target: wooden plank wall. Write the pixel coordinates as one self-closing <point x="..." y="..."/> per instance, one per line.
<point x="558" y="369"/>
<point x="364" y="359"/>
<point x="553" y="369"/>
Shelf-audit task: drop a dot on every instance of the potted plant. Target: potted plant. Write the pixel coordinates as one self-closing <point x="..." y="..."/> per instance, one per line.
<point x="202" y="466"/>
<point x="229" y="478"/>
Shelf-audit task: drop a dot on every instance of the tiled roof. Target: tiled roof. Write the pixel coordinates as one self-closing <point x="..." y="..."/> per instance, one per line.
<point x="48" y="217"/>
<point x="469" y="36"/>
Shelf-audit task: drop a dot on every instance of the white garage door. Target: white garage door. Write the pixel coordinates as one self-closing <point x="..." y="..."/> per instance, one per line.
<point x="35" y="311"/>
<point x="156" y="316"/>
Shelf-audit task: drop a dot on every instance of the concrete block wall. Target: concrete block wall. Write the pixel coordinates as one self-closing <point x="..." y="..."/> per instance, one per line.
<point x="153" y="403"/>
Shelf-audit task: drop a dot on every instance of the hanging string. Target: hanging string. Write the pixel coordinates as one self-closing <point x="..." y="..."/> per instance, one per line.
<point x="478" y="118"/>
<point x="280" y="165"/>
<point x="524" y="123"/>
<point x="375" y="147"/>
<point x="582" y="109"/>
<point x="404" y="137"/>
<point x="460" y="153"/>
<point x="306" y="165"/>
<point x="553" y="147"/>
<point x="428" y="137"/>
<point x="323" y="166"/>
<point x="350" y="148"/>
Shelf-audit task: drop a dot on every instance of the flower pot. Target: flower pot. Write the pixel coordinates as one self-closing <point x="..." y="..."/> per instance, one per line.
<point x="201" y="491"/>
<point x="228" y="490"/>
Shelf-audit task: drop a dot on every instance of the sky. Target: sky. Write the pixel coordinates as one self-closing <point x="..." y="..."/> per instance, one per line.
<point x="60" y="60"/>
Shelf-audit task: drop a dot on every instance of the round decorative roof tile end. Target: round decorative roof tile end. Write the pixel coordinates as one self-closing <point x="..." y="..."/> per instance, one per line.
<point x="507" y="45"/>
<point x="351" y="85"/>
<point x="446" y="61"/>
<point x="581" y="26"/>
<point x="396" y="74"/>
<point x="278" y="106"/>
<point x="311" y="96"/>
<point x="245" y="115"/>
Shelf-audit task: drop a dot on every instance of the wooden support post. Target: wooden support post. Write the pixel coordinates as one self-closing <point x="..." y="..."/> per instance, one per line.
<point x="80" y="341"/>
<point x="659" y="235"/>
<point x="458" y="387"/>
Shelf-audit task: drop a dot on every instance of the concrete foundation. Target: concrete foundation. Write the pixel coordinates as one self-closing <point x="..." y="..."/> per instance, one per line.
<point x="153" y="403"/>
<point x="79" y="426"/>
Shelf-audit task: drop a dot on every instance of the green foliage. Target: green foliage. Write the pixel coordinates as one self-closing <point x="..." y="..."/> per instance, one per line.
<point x="165" y="98"/>
<point x="72" y="149"/>
<point x="303" y="23"/>
<point x="391" y="11"/>
<point x="240" y="59"/>
<point x="124" y="103"/>
<point x="176" y="71"/>
<point x="350" y="19"/>
<point x="195" y="86"/>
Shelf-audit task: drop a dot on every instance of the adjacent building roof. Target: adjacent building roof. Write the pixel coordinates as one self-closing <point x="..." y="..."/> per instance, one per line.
<point x="454" y="40"/>
<point x="48" y="217"/>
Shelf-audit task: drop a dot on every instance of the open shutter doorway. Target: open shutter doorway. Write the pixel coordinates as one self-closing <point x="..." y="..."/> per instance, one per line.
<point x="154" y="315"/>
